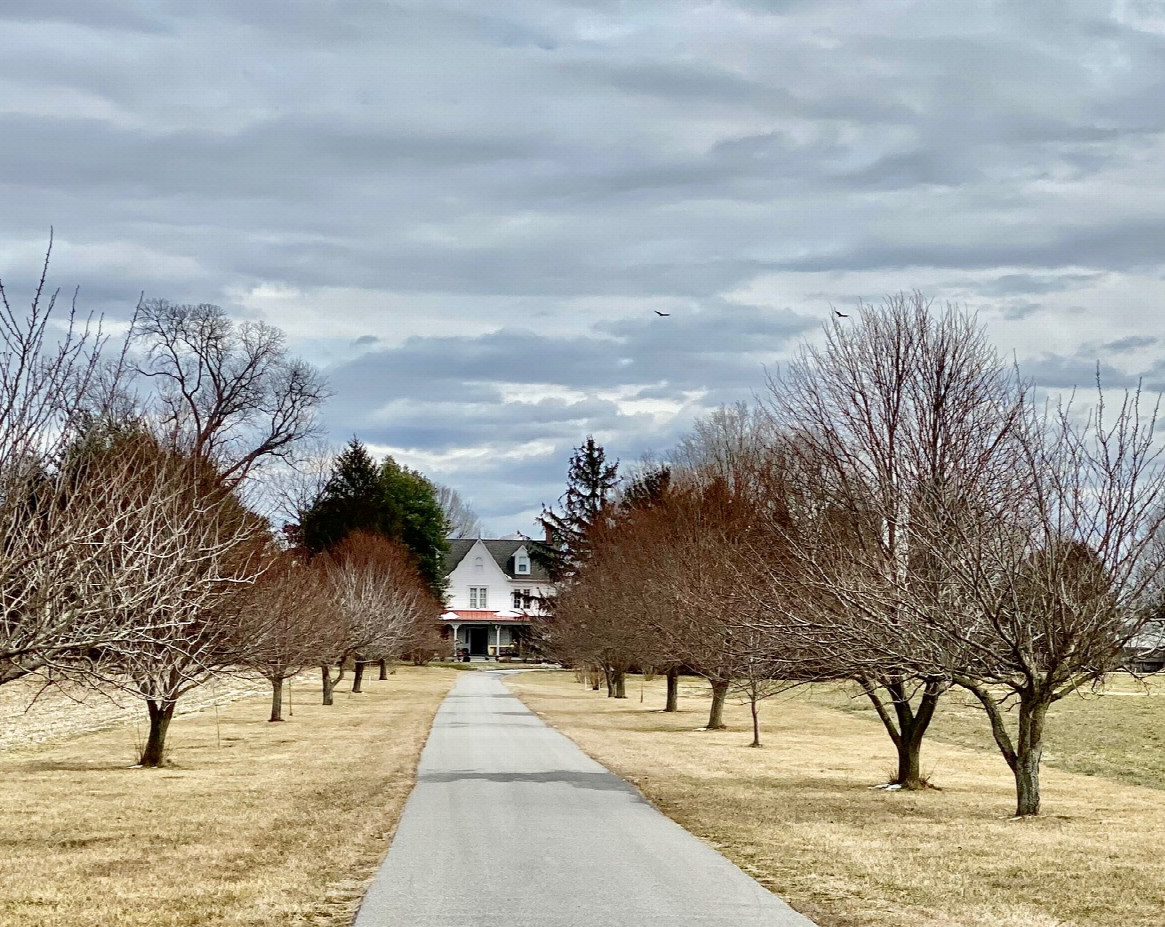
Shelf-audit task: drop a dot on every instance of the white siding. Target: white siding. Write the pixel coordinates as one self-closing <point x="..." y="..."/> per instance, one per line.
<point x="478" y="569"/>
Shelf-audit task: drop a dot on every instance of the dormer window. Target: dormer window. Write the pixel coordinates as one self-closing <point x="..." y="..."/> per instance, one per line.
<point x="522" y="564"/>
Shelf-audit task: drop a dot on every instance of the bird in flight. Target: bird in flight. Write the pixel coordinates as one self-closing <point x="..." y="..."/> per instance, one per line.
<point x="840" y="315"/>
<point x="657" y="312"/>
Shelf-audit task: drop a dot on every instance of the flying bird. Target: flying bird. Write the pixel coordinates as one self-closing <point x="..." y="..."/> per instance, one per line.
<point x="657" y="312"/>
<point x="840" y="315"/>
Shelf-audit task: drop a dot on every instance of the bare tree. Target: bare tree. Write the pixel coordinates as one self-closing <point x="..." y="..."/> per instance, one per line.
<point x="646" y="489"/>
<point x="50" y="366"/>
<point x="75" y="546"/>
<point x="763" y="669"/>
<point x="600" y="616"/>
<point x="708" y="557"/>
<point x="293" y="486"/>
<point x="226" y="398"/>
<point x="666" y="581"/>
<point x="667" y="585"/>
<point x="176" y="555"/>
<point x="730" y="444"/>
<point x="380" y="597"/>
<point x="1049" y="578"/>
<point x="226" y="392"/>
<point x="730" y="491"/>
<point x="903" y="403"/>
<point x="462" y="520"/>
<point x="46" y="382"/>
<point x="423" y="642"/>
<point x="287" y="623"/>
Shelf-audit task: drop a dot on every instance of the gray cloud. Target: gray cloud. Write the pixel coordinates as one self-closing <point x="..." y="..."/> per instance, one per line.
<point x="447" y="203"/>
<point x="1132" y="343"/>
<point x="720" y="351"/>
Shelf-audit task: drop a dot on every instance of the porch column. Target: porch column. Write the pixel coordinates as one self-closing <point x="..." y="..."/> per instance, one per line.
<point x="497" y="642"/>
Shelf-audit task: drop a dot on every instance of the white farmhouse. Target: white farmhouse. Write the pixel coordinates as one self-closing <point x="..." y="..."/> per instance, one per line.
<point x="495" y="591"/>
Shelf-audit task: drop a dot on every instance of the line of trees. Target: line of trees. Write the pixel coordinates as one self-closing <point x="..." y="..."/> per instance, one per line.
<point x="900" y="512"/>
<point x="131" y="554"/>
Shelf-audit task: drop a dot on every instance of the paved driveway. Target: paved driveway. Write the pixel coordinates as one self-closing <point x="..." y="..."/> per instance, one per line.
<point x="511" y="825"/>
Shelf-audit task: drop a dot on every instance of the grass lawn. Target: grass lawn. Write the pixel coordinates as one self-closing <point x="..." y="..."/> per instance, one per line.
<point x="801" y="815"/>
<point x="252" y="823"/>
<point x="1117" y="731"/>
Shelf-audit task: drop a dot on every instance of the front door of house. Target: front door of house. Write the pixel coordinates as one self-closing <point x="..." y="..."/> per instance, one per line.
<point x="478" y="641"/>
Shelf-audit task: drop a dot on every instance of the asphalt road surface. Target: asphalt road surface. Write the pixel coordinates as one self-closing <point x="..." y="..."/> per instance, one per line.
<point x="511" y="825"/>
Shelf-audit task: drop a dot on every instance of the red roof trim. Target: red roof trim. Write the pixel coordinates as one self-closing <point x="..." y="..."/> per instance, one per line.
<point x="471" y="614"/>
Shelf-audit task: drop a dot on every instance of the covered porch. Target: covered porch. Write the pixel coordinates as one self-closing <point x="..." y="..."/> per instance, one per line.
<point x="486" y="635"/>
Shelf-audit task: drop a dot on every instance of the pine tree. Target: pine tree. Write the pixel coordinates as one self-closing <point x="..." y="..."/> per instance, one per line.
<point x="384" y="499"/>
<point x="590" y="486"/>
<point x="353" y="499"/>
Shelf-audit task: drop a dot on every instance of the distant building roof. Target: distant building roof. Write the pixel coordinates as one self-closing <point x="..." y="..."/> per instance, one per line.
<point x="502" y="550"/>
<point x="1150" y="639"/>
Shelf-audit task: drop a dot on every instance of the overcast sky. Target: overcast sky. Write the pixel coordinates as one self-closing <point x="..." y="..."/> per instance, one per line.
<point x="466" y="212"/>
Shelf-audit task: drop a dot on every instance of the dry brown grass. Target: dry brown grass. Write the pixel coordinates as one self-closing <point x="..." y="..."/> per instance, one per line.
<point x="802" y="816"/>
<point x="252" y="823"/>
<point x="33" y="712"/>
<point x="1116" y="730"/>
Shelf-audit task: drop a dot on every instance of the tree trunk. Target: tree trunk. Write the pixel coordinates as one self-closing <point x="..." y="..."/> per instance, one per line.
<point x="907" y="726"/>
<point x="909" y="774"/>
<point x="607" y="677"/>
<point x="276" y="699"/>
<point x="594" y="678"/>
<point x="619" y="683"/>
<point x="383" y="670"/>
<point x="160" y="715"/>
<point x="752" y="704"/>
<point x="358" y="677"/>
<point x="1024" y="755"/>
<point x="716" y="715"/>
<point x="329" y="685"/>
<point x="673" y="690"/>
<point x="1028" y="753"/>
<point x="1027" y="786"/>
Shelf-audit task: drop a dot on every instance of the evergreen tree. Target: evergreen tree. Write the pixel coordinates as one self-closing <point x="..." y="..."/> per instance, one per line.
<point x="382" y="499"/>
<point x="353" y="499"/>
<point x="423" y="525"/>
<point x="590" y="485"/>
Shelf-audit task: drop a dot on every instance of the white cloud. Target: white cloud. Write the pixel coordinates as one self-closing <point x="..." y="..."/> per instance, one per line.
<point x="469" y="214"/>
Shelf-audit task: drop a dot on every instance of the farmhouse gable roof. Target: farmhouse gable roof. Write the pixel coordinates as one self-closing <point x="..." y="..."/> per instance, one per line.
<point x="502" y="551"/>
